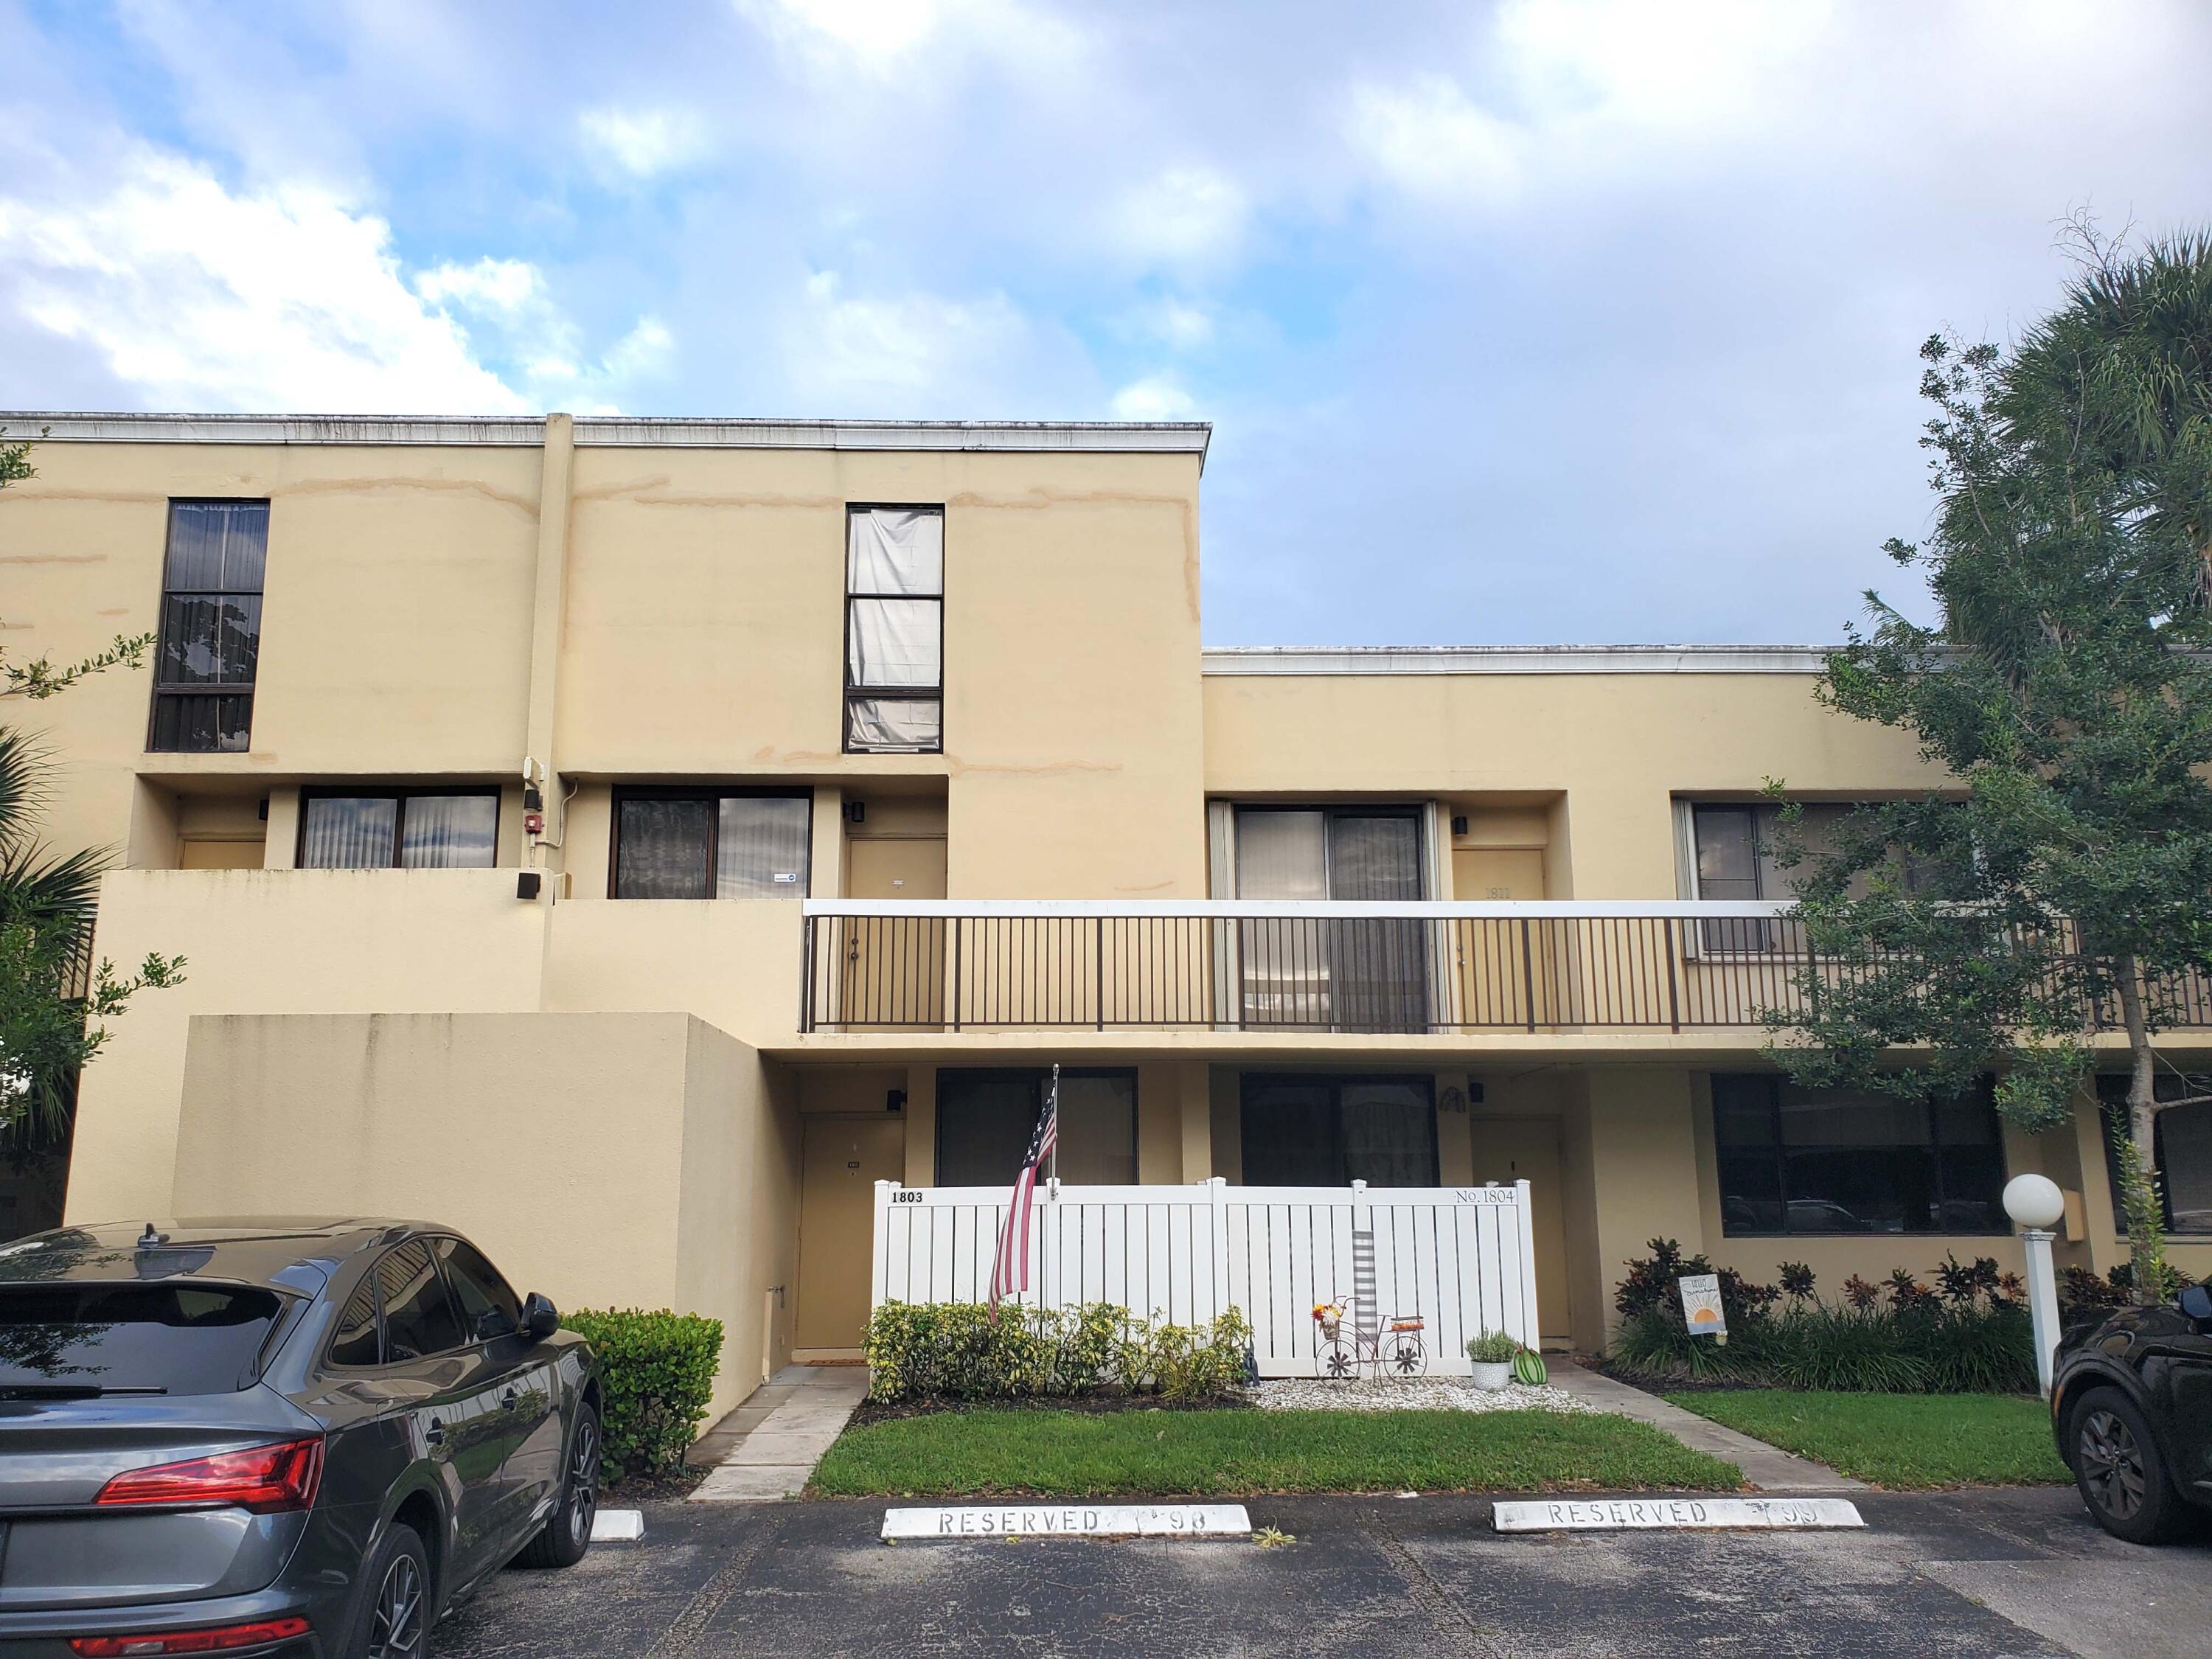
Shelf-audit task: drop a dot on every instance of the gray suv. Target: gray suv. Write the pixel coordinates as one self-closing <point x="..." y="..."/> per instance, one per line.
<point x="276" y="1437"/>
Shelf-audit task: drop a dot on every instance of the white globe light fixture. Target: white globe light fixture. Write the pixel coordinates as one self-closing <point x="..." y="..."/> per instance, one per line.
<point x="2034" y="1201"/>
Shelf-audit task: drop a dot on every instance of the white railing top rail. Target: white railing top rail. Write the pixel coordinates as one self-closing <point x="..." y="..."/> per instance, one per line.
<point x="1213" y="1190"/>
<point x="1260" y="910"/>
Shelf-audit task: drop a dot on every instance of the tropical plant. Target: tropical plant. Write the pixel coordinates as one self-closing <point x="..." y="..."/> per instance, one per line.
<point x="2062" y="878"/>
<point x="54" y="999"/>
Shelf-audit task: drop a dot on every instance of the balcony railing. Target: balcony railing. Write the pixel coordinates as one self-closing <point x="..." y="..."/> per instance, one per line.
<point x="1256" y="966"/>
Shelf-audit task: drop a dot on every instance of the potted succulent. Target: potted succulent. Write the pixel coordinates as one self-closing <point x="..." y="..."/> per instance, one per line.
<point x="1491" y="1355"/>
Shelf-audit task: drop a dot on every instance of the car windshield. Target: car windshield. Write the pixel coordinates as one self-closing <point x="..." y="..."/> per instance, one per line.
<point x="137" y="1339"/>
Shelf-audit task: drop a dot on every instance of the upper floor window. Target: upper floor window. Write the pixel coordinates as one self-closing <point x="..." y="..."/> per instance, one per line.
<point x="711" y="843"/>
<point x="210" y="627"/>
<point x="895" y="629"/>
<point x="399" y="829"/>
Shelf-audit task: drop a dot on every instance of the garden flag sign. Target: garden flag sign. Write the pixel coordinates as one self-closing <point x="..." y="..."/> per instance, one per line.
<point x="1010" y="1268"/>
<point x="1701" y="1305"/>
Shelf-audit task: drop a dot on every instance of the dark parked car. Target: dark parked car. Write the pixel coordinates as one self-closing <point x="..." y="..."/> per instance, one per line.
<point x="2131" y="1405"/>
<point x="276" y="1437"/>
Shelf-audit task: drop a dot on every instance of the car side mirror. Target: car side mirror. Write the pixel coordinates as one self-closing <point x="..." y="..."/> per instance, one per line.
<point x="2195" y="1302"/>
<point x="540" y="1317"/>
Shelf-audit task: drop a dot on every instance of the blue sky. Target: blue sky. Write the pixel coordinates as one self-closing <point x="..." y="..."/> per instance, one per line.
<point x="1584" y="320"/>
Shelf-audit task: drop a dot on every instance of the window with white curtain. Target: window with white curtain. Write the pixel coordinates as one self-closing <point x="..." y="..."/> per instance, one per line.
<point x="711" y="843"/>
<point x="894" y="629"/>
<point x="399" y="829"/>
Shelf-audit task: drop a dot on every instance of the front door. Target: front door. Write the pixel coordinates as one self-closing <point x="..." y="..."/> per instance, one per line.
<point x="893" y="970"/>
<point x="843" y="1158"/>
<point x="1509" y="1149"/>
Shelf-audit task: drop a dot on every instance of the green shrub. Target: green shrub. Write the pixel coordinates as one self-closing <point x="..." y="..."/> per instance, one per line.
<point x="958" y="1351"/>
<point x="1971" y="1335"/>
<point x="1840" y="1348"/>
<point x="659" y="1374"/>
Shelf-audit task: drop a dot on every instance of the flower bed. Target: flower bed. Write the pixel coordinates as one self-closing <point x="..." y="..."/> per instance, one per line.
<point x="960" y="1351"/>
<point x="1969" y="1333"/>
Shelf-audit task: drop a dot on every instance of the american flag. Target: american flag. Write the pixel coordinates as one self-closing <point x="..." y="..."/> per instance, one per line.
<point x="1010" y="1268"/>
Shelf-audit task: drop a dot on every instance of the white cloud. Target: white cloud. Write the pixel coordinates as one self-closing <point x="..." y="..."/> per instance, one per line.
<point x="645" y="141"/>
<point x="1156" y="398"/>
<point x="1428" y="137"/>
<point x="196" y="297"/>
<point x="1185" y="214"/>
<point x="1185" y="325"/>
<point x="884" y="36"/>
<point x="906" y="345"/>
<point x="502" y="288"/>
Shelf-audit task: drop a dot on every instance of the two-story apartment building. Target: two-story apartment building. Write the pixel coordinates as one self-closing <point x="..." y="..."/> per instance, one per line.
<point x="631" y="839"/>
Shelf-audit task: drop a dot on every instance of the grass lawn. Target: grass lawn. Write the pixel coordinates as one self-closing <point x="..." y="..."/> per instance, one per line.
<point x="1905" y="1440"/>
<point x="1237" y="1452"/>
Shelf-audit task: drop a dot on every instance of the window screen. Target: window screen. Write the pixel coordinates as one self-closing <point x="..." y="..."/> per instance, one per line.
<point x="1318" y="1131"/>
<point x="210" y="633"/>
<point x="401" y="828"/>
<point x="1796" y="1160"/>
<point x="894" y="628"/>
<point x="2182" y="1144"/>
<point x="714" y="844"/>
<point x="985" y="1120"/>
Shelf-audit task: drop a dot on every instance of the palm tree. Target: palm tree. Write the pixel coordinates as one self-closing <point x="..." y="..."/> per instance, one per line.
<point x="46" y="907"/>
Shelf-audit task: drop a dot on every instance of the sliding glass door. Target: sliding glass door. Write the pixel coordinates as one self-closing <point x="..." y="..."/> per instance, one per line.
<point x="1346" y="974"/>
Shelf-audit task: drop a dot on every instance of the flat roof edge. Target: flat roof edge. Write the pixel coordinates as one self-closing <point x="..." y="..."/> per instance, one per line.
<point x="615" y="431"/>
<point x="1387" y="660"/>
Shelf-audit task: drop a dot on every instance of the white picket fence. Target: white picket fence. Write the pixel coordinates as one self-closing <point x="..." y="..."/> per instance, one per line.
<point x="1460" y="1257"/>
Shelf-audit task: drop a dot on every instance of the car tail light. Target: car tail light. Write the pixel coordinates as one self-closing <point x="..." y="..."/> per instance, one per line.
<point x="225" y="1639"/>
<point x="266" y="1480"/>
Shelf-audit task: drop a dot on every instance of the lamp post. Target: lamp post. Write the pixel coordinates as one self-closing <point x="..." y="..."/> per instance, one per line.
<point x="2035" y="1202"/>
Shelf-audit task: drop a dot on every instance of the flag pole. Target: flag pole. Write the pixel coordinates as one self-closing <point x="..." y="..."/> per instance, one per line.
<point x="1052" y="1107"/>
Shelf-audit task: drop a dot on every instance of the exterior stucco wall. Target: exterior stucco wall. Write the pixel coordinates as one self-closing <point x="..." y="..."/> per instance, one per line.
<point x="610" y="1160"/>
<point x="321" y="941"/>
<point x="1615" y="749"/>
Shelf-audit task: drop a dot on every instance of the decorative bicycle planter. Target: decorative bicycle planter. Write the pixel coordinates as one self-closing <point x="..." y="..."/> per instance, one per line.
<point x="1399" y="1349"/>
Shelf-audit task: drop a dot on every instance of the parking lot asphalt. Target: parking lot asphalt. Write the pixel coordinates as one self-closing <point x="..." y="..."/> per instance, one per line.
<point x="1994" y="1572"/>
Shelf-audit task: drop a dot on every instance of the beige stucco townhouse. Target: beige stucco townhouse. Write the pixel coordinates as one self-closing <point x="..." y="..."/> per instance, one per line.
<point x="630" y="840"/>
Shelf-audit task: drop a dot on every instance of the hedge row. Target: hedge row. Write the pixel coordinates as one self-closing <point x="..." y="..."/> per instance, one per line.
<point x="960" y="1350"/>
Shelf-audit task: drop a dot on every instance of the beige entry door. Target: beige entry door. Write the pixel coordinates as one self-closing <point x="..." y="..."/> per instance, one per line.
<point x="842" y="1159"/>
<point x="894" y="969"/>
<point x="1527" y="1149"/>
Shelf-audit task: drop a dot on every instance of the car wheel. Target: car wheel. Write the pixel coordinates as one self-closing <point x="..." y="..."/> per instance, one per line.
<point x="567" y="1533"/>
<point x="2118" y="1469"/>
<point x="395" y="1618"/>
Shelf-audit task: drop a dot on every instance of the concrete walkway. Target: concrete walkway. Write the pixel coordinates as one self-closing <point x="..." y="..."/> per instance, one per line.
<point x="765" y="1450"/>
<point x="1767" y="1467"/>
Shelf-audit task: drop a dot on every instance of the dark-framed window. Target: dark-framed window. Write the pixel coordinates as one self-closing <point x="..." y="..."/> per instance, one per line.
<point x="985" y="1119"/>
<point x="894" y="629"/>
<point x="1795" y="1160"/>
<point x="2181" y="1144"/>
<point x="427" y="829"/>
<point x="211" y="632"/>
<point x="1317" y="1129"/>
<point x="711" y="842"/>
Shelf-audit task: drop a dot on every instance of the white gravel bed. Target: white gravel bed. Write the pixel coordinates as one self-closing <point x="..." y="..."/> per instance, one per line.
<point x="1427" y="1394"/>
